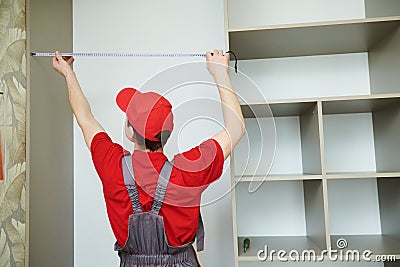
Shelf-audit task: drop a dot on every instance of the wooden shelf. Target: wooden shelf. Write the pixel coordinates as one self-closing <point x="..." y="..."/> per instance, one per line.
<point x="361" y="175"/>
<point x="277" y="243"/>
<point x="281" y="108"/>
<point x="330" y="105"/>
<point x="277" y="177"/>
<point x="378" y="244"/>
<point x="301" y="176"/>
<point x="359" y="104"/>
<point x="307" y="39"/>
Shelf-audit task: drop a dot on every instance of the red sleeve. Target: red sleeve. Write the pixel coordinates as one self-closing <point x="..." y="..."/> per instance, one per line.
<point x="201" y="165"/>
<point x="106" y="157"/>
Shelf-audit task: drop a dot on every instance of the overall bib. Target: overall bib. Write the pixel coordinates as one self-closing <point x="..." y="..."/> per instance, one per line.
<point x="147" y="243"/>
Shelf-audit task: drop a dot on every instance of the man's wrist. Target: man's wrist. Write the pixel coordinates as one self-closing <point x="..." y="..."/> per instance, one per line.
<point x="221" y="75"/>
<point x="69" y="73"/>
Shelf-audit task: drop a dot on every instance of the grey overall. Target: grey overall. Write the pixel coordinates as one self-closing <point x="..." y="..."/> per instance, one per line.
<point x="147" y="243"/>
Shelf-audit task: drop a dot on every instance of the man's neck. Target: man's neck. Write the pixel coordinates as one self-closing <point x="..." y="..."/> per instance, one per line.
<point x="144" y="149"/>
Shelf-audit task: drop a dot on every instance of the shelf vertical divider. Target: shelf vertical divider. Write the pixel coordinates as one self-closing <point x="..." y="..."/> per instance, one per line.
<point x="310" y="145"/>
<point x="321" y="137"/>
<point x="234" y="213"/>
<point x="324" y="179"/>
<point x="311" y="136"/>
<point x="326" y="213"/>
<point x="232" y="161"/>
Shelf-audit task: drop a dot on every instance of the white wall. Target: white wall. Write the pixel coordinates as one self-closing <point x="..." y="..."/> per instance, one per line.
<point x="174" y="26"/>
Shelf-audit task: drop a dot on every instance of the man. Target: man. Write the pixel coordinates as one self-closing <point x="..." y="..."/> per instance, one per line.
<point x="154" y="205"/>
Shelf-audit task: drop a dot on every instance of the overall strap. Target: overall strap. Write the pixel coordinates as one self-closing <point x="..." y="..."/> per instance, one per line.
<point x="200" y="235"/>
<point x="163" y="180"/>
<point x="130" y="184"/>
<point x="161" y="189"/>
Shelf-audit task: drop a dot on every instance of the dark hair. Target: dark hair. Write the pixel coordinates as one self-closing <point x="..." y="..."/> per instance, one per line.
<point x="152" y="145"/>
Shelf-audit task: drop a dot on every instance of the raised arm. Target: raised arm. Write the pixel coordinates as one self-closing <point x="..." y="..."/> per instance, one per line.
<point x="217" y="65"/>
<point x="79" y="104"/>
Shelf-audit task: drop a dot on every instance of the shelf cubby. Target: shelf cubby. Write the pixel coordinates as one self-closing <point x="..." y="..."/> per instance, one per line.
<point x="297" y="223"/>
<point x="295" y="128"/>
<point x="366" y="214"/>
<point x="361" y="136"/>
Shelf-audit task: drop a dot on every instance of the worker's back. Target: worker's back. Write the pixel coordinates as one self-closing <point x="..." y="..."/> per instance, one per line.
<point x="191" y="173"/>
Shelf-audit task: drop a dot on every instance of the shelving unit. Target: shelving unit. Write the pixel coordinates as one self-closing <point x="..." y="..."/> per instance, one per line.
<point x="336" y="167"/>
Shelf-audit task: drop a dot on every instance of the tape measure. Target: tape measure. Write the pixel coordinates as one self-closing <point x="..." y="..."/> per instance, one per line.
<point x="95" y="54"/>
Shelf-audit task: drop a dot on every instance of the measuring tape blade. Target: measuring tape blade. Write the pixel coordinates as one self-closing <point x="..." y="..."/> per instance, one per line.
<point x="97" y="54"/>
<point x="102" y="54"/>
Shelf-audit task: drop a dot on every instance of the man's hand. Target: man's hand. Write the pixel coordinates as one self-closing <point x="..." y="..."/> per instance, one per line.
<point x="62" y="64"/>
<point x="217" y="62"/>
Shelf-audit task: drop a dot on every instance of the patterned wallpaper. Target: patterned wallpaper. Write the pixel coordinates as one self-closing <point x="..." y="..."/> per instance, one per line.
<point x="12" y="132"/>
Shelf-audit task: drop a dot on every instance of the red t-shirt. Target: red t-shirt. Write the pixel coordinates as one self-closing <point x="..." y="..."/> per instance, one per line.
<point x="193" y="171"/>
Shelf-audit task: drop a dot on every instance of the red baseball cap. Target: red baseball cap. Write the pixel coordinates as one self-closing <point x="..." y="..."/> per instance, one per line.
<point x="149" y="113"/>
